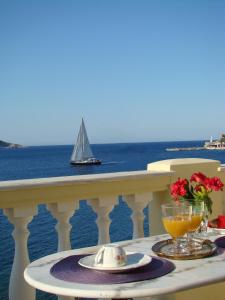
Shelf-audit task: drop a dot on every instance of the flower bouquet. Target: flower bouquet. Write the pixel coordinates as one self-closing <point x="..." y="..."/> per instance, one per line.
<point x="197" y="190"/>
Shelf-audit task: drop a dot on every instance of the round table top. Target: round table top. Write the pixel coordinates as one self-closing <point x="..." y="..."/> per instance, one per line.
<point x="196" y="273"/>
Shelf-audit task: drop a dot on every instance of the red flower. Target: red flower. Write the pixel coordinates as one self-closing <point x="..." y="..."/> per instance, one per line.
<point x="179" y="188"/>
<point x="199" y="177"/>
<point x="209" y="184"/>
<point x="216" y="184"/>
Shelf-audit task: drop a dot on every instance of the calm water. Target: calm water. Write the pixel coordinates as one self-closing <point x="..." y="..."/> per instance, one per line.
<point x="52" y="161"/>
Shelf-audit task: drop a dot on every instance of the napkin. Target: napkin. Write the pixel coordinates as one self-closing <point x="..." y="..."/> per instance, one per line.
<point x="221" y="221"/>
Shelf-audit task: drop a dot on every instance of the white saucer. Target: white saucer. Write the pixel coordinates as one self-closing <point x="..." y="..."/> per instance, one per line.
<point x="134" y="260"/>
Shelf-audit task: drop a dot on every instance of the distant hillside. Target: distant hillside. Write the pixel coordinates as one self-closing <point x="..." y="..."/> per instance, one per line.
<point x="9" y="145"/>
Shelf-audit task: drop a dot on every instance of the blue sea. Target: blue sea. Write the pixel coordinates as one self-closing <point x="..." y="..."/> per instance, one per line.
<point x="53" y="161"/>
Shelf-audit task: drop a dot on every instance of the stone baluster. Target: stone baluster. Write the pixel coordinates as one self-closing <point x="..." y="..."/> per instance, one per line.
<point x="155" y="212"/>
<point x="137" y="202"/>
<point x="103" y="206"/>
<point x="63" y="211"/>
<point x="20" y="217"/>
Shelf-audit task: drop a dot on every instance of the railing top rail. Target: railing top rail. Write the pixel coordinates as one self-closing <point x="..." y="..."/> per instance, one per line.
<point x="79" y="179"/>
<point x="157" y="178"/>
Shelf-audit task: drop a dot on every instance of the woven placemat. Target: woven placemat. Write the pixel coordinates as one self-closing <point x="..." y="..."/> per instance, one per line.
<point x="220" y="242"/>
<point x="68" y="269"/>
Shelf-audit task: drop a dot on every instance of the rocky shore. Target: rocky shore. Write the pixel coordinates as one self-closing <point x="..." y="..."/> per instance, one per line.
<point x="9" y="145"/>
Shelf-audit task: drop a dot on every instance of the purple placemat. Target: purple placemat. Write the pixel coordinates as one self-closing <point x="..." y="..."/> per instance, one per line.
<point x="220" y="242"/>
<point x="68" y="269"/>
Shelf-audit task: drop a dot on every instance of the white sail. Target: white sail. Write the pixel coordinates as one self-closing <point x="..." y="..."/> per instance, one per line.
<point x="82" y="150"/>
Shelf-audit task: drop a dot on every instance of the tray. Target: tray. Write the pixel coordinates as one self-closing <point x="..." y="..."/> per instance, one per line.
<point x="161" y="249"/>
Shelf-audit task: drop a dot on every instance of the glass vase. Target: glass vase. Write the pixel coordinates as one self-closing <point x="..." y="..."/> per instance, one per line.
<point x="204" y="224"/>
<point x="197" y="217"/>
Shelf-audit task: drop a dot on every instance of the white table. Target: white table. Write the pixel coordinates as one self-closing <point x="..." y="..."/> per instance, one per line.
<point x="188" y="274"/>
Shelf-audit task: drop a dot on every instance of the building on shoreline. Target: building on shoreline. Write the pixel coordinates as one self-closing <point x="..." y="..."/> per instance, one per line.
<point x="216" y="144"/>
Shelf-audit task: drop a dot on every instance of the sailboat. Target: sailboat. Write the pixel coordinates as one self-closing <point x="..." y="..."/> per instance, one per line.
<point x="82" y="154"/>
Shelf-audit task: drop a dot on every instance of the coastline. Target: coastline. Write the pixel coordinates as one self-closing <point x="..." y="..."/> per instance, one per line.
<point x="186" y="149"/>
<point x="4" y="144"/>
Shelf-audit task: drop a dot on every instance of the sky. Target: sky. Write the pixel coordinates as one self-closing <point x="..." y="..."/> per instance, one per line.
<point x="135" y="70"/>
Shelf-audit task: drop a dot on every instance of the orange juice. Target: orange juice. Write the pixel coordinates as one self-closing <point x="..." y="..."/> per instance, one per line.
<point x="176" y="226"/>
<point x="195" y="222"/>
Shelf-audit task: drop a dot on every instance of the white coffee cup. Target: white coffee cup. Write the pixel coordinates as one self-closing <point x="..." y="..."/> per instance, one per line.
<point x="110" y="256"/>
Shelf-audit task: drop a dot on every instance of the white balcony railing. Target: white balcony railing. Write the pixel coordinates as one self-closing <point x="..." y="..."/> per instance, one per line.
<point x="19" y="200"/>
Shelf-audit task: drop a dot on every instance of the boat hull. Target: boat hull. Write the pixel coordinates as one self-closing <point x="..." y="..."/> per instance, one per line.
<point x="97" y="162"/>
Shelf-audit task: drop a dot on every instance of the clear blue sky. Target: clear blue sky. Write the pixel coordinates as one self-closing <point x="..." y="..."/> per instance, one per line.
<point x="136" y="70"/>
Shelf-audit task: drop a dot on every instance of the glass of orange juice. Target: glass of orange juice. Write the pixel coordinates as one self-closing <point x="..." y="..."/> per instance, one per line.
<point x="176" y="219"/>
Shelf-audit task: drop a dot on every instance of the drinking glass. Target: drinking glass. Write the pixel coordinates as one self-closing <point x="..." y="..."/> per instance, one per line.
<point x="197" y="215"/>
<point x="176" y="220"/>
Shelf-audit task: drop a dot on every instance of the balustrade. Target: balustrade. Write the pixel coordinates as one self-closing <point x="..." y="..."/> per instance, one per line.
<point x="20" y="199"/>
